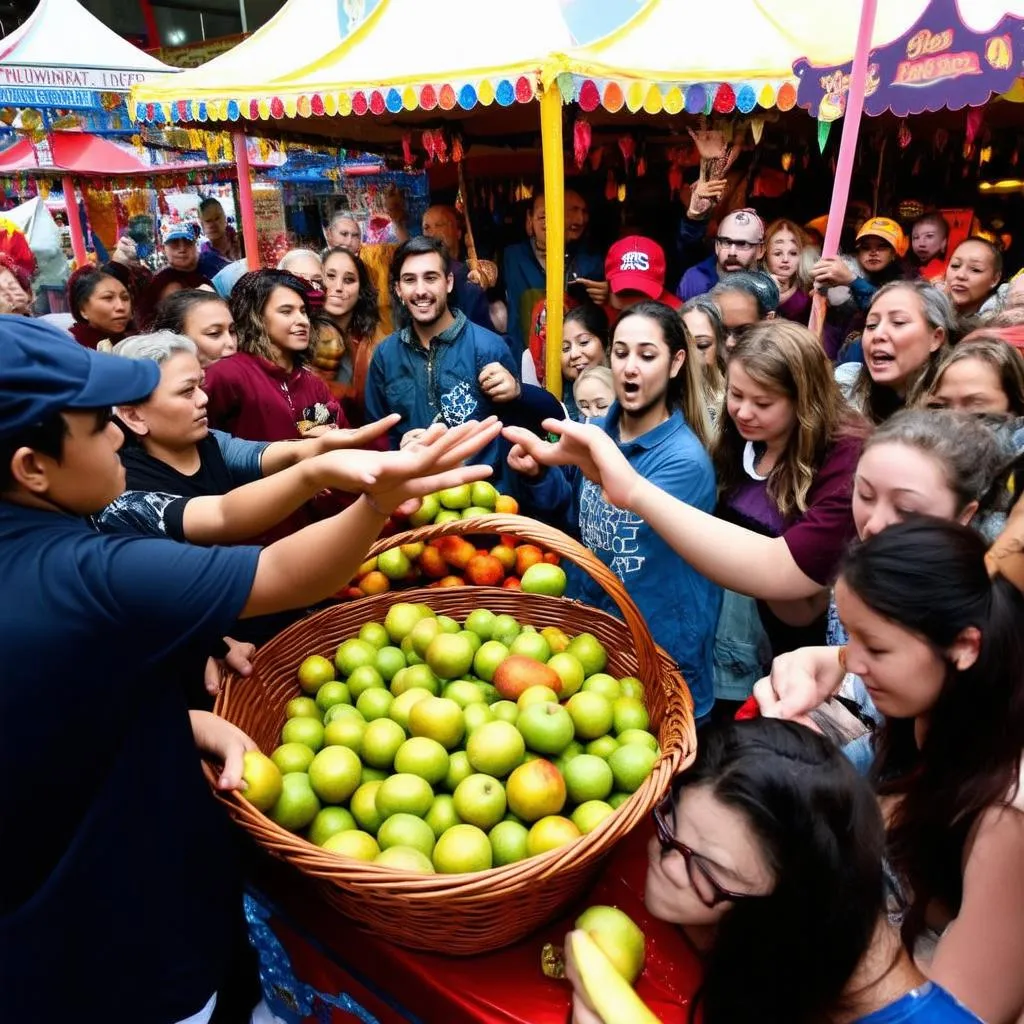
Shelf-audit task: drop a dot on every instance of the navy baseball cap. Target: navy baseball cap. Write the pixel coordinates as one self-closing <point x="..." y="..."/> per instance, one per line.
<point x="179" y="231"/>
<point x="43" y="372"/>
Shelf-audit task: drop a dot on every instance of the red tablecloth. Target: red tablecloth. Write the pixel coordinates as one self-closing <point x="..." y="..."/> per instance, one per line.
<point x="396" y="985"/>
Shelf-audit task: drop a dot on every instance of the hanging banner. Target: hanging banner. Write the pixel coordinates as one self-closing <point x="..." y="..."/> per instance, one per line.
<point x="938" y="64"/>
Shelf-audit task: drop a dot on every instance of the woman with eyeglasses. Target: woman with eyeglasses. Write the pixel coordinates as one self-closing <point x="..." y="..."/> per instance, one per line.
<point x="768" y="854"/>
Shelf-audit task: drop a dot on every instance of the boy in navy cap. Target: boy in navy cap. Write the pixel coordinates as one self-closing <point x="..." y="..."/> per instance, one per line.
<point x="117" y="893"/>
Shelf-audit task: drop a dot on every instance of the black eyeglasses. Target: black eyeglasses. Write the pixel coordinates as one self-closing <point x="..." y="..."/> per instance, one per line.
<point x="708" y="891"/>
<point x="739" y="244"/>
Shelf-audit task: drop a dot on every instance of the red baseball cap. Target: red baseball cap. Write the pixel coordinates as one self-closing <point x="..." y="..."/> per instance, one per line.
<point x="636" y="264"/>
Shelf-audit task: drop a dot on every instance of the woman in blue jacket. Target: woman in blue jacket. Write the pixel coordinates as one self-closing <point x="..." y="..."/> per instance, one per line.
<point x="659" y="423"/>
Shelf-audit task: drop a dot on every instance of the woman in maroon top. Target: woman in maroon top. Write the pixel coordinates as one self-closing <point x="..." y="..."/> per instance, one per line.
<point x="265" y="392"/>
<point x="101" y="306"/>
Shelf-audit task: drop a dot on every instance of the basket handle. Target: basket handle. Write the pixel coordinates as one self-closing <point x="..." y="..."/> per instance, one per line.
<point x="554" y="540"/>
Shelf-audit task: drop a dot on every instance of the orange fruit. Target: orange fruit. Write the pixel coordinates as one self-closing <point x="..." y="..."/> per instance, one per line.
<point x="432" y="563"/>
<point x="450" y="581"/>
<point x="506" y="555"/>
<point x="527" y="555"/>
<point x="484" y="571"/>
<point x="551" y="558"/>
<point x="507" y="504"/>
<point x="374" y="583"/>
<point x="512" y="583"/>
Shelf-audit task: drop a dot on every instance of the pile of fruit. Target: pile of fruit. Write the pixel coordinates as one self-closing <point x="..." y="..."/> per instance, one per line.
<point x="456" y="561"/>
<point x="429" y="745"/>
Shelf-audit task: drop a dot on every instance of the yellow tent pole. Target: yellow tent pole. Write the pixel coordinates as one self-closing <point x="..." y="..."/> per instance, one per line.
<point x="554" y="205"/>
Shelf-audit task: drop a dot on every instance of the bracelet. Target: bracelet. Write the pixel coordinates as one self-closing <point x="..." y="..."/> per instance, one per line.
<point x="841" y="654"/>
<point x="373" y="504"/>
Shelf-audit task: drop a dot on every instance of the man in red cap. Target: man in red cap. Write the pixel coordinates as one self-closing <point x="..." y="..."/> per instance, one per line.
<point x="635" y="269"/>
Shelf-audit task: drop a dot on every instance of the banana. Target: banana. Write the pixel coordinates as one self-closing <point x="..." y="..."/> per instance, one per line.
<point x="608" y="991"/>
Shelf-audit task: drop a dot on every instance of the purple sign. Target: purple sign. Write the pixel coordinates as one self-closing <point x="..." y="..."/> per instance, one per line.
<point x="938" y="64"/>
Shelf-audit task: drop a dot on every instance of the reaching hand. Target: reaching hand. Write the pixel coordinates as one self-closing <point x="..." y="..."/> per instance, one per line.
<point x="597" y="291"/>
<point x="238" y="658"/>
<point x="705" y="195"/>
<point x="224" y="742"/>
<point x="832" y="273"/>
<point x="358" y="437"/>
<point x="799" y="681"/>
<point x="523" y="463"/>
<point x="583" y="445"/>
<point x="432" y="463"/>
<point x="125" y="252"/>
<point x="498" y="384"/>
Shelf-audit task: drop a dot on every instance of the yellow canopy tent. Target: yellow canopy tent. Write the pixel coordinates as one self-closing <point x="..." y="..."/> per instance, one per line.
<point x="396" y="71"/>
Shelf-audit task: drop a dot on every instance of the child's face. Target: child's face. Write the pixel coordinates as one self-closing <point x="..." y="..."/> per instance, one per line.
<point x="593" y="397"/>
<point x="927" y="240"/>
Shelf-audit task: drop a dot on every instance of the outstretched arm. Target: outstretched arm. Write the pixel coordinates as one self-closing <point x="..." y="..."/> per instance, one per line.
<point x="739" y="559"/>
<point x="281" y="454"/>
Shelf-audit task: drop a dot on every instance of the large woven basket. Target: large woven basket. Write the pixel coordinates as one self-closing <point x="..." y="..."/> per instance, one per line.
<point x="469" y="913"/>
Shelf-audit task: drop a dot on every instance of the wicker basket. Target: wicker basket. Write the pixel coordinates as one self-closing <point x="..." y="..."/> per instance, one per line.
<point x="469" y="913"/>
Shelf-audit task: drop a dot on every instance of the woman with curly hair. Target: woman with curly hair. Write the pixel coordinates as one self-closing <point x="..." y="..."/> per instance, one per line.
<point x="266" y="392"/>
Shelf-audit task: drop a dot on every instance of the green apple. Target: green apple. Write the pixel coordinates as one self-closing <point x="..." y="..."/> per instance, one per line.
<point x="400" y="620"/>
<point x="332" y="693"/>
<point x="406" y="830"/>
<point x="446" y="515"/>
<point x="459" y="768"/>
<point x="409" y="652"/>
<point x="461" y="849"/>
<point x="547" y="728"/>
<point x="476" y="715"/>
<point x="369" y="774"/>
<point x="303" y="707"/>
<point x="641" y="736"/>
<point x="292" y="757"/>
<point x="421" y="677"/>
<point x="449" y="655"/>
<point x="424" y="757"/>
<point x="495" y="748"/>
<point x="334" y="774"/>
<point x="374" y="633"/>
<point x="374" y="703"/>
<point x="423" y="633"/>
<point x="364" y="678"/>
<point x="353" y="653"/>
<point x="394" y="563"/>
<point x="341" y="711"/>
<point x="591" y="653"/>
<point x="430" y="505"/>
<point x="535" y="789"/>
<point x="262" y="780"/>
<point x="404" y="793"/>
<point x="550" y="833"/>
<point x="442" y="814"/>
<point x="390" y="660"/>
<point x="488" y="658"/>
<point x="483" y="494"/>
<point x="303" y="730"/>
<point x="544" y="578"/>
<point x="448" y="624"/>
<point x="474" y="511"/>
<point x="345" y="731"/>
<point x="402" y="705"/>
<point x="603" y="746"/>
<point x="616" y="800"/>
<point x="569" y="670"/>
<point x="473" y="638"/>
<point x="297" y="805"/>
<point x="591" y="714"/>
<point x="607" y="686"/>
<point x="508" y="842"/>
<point x="557" y="638"/>
<point x="531" y="645"/>
<point x="405" y="858"/>
<point x="506" y="711"/>
<point x="539" y="694"/>
<point x="363" y="806"/>
<point x="481" y="622"/>
<point x="464" y="693"/>
<point x="480" y="801"/>
<point x="381" y="741"/>
<point x="506" y="629"/>
<point x="328" y="822"/>
<point x="587" y="777"/>
<point x="489" y="691"/>
<point x="355" y="844"/>
<point x="629" y="712"/>
<point x="630" y="765"/>
<point x="631" y="687"/>
<point x="456" y="498"/>
<point x="589" y="815"/>
<point x="440" y="719"/>
<point x="314" y="672"/>
<point x="618" y="937"/>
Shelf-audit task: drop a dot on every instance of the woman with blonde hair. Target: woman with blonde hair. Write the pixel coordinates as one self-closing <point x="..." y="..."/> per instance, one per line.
<point x="785" y="243"/>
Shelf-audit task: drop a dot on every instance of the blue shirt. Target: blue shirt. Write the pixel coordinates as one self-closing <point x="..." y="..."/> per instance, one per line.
<point x="699" y="279"/>
<point x="928" y="1004"/>
<point x="681" y="606"/>
<point x="117" y="887"/>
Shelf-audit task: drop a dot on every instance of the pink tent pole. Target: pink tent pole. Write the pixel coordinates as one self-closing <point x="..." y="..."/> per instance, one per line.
<point x="74" y="221"/>
<point x="247" y="213"/>
<point x="847" y="147"/>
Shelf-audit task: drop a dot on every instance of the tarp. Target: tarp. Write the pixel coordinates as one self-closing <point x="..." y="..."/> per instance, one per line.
<point x="82" y="155"/>
<point x="397" y="62"/>
<point x="63" y="56"/>
<point x="43" y="235"/>
<point x="662" y="59"/>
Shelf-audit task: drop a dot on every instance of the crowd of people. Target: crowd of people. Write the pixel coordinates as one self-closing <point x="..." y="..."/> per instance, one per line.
<point x="820" y="528"/>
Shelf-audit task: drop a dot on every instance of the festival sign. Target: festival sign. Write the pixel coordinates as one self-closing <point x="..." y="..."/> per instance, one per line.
<point x="937" y="64"/>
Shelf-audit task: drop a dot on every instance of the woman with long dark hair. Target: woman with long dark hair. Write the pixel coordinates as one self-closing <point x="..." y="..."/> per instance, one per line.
<point x="768" y="854"/>
<point x="202" y="316"/>
<point x="101" y="305"/>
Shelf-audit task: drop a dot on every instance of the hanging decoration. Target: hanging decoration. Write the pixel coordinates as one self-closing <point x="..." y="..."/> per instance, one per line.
<point x="903" y="136"/>
<point x="627" y="147"/>
<point x="824" y="127"/>
<point x="975" y="117"/>
<point x="756" y="129"/>
<point x="611" y="187"/>
<point x="458" y="151"/>
<point x="596" y="156"/>
<point x="581" y="136"/>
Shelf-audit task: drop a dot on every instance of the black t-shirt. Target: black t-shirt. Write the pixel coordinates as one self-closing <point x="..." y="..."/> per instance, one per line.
<point x="116" y="893"/>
